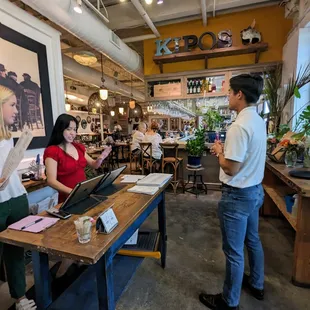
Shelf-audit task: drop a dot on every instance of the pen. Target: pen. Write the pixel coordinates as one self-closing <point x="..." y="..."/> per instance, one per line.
<point x="30" y="224"/>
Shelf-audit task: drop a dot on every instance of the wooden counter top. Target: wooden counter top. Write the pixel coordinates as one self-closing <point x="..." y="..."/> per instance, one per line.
<point x="302" y="186"/>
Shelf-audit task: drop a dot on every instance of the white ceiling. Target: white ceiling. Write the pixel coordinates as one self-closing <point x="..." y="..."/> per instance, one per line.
<point x="124" y="15"/>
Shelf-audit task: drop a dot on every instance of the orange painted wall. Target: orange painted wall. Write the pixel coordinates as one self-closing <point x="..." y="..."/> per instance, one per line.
<point x="270" y="22"/>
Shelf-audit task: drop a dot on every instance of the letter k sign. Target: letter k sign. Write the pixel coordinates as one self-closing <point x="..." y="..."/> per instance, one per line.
<point x="162" y="46"/>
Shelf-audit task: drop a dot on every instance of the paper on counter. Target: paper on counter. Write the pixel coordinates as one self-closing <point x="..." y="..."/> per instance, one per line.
<point x="148" y="190"/>
<point x="130" y="178"/>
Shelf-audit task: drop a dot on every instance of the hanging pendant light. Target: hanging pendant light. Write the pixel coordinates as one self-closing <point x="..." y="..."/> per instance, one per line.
<point x="121" y="110"/>
<point x="103" y="92"/>
<point x="132" y="102"/>
<point x="112" y="113"/>
<point x="67" y="104"/>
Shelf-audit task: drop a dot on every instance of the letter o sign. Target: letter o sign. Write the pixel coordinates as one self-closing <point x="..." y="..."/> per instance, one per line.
<point x="212" y="35"/>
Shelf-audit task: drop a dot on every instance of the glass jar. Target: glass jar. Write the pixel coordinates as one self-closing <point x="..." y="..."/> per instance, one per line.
<point x="307" y="157"/>
<point x="290" y="158"/>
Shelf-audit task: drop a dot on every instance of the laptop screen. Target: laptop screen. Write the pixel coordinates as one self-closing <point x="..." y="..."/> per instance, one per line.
<point x="110" y="178"/>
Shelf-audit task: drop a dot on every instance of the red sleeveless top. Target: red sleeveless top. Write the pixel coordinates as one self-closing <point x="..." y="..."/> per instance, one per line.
<point x="69" y="171"/>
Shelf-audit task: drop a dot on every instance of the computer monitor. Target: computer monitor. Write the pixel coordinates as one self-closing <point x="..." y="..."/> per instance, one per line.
<point x="82" y="191"/>
<point x="108" y="180"/>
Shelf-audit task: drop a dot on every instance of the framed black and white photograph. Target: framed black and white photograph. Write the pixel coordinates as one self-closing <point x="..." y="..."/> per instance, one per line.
<point x="24" y="69"/>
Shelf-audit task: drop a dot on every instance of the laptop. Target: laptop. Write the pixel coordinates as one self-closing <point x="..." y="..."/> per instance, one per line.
<point x="106" y="186"/>
<point x="79" y="201"/>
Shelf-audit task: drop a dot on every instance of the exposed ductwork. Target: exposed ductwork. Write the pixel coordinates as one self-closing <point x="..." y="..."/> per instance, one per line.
<point x="87" y="75"/>
<point x="88" y="28"/>
<point x="145" y="16"/>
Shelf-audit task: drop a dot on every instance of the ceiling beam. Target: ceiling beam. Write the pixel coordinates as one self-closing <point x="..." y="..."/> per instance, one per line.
<point x="145" y="16"/>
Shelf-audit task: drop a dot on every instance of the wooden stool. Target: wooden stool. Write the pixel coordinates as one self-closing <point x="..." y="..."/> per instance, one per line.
<point x="170" y="156"/>
<point x="194" y="189"/>
<point x="134" y="157"/>
<point x="147" y="156"/>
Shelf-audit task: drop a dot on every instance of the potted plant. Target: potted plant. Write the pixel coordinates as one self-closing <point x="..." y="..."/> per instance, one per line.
<point x="278" y="97"/>
<point x="195" y="148"/>
<point x="212" y="119"/>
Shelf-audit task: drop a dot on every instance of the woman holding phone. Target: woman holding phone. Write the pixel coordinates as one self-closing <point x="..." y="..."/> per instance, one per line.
<point x="65" y="160"/>
<point x="13" y="204"/>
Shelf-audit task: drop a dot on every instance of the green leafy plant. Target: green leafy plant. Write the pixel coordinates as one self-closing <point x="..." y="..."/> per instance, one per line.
<point x="212" y="118"/>
<point x="196" y="146"/>
<point x="303" y="124"/>
<point x="278" y="98"/>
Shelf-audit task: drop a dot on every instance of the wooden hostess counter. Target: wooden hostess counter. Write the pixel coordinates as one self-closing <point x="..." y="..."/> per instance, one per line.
<point x="277" y="184"/>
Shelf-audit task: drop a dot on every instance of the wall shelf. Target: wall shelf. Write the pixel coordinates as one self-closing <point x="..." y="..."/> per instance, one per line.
<point x="207" y="54"/>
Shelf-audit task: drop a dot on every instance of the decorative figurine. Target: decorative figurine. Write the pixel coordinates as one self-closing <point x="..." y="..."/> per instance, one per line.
<point x="224" y="39"/>
<point x="250" y="35"/>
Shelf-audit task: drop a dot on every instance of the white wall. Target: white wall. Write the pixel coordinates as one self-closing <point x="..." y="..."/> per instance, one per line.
<point x="23" y="22"/>
<point x="296" y="53"/>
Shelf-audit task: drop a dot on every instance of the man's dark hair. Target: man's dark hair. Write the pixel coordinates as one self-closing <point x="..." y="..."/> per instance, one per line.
<point x="115" y="122"/>
<point x="250" y="85"/>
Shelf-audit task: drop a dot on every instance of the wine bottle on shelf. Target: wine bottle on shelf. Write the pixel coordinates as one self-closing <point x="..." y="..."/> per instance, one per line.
<point x="213" y="87"/>
<point x="188" y="85"/>
<point x="198" y="87"/>
<point x="194" y="87"/>
<point x="210" y="85"/>
<point x="191" y="87"/>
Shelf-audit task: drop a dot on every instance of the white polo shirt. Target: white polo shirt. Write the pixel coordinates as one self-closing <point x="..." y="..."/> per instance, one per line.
<point x="246" y="142"/>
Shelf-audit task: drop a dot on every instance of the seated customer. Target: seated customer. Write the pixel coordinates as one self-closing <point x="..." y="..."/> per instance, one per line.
<point x="153" y="137"/>
<point x="138" y="137"/>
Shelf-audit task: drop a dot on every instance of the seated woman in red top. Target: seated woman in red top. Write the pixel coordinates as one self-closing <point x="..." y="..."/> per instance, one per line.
<point x="66" y="160"/>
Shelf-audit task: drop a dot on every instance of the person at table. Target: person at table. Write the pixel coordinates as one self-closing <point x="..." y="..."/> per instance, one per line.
<point x="242" y="163"/>
<point x="66" y="160"/>
<point x="13" y="204"/>
<point x="138" y="137"/>
<point x="152" y="136"/>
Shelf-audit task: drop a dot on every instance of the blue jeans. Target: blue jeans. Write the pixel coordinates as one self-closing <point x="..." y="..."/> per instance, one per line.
<point x="239" y="219"/>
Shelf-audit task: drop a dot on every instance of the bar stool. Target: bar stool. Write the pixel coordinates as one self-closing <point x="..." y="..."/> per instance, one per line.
<point x="170" y="156"/>
<point x="147" y="156"/>
<point x="194" y="189"/>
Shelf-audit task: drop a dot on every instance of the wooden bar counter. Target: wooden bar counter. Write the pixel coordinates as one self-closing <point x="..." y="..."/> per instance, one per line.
<point x="277" y="184"/>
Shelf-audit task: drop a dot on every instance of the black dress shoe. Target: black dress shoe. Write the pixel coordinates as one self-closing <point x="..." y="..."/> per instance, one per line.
<point x="215" y="302"/>
<point x="258" y="294"/>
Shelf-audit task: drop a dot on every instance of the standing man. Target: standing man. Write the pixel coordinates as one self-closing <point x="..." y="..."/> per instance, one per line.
<point x="242" y="163"/>
<point x="2" y="73"/>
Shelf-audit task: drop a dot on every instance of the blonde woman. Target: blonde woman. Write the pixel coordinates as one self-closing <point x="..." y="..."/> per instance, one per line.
<point x="13" y="205"/>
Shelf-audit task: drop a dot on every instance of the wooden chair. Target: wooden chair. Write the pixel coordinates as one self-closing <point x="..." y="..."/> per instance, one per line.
<point x="135" y="158"/>
<point x="147" y="156"/>
<point x="170" y="157"/>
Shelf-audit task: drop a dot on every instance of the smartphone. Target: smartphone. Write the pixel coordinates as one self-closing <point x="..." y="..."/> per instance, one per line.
<point x="58" y="213"/>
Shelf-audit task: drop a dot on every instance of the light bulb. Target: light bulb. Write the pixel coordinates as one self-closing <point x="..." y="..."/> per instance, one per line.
<point x="68" y="107"/>
<point x="121" y="110"/>
<point x="103" y="93"/>
<point x="132" y="104"/>
<point x="78" y="7"/>
<point x="160" y="1"/>
<point x="112" y="113"/>
<point x="148" y="1"/>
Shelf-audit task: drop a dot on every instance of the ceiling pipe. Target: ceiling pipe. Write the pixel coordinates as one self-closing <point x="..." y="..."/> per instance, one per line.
<point x="87" y="75"/>
<point x="139" y="38"/>
<point x="204" y="12"/>
<point x="91" y="30"/>
<point x="145" y="16"/>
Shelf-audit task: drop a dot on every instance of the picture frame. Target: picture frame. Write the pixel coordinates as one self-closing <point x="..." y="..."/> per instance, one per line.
<point x="18" y="41"/>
